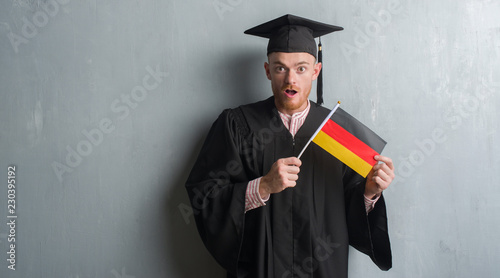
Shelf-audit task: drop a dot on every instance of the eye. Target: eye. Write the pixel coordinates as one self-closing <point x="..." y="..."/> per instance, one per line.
<point x="301" y="69"/>
<point x="280" y="69"/>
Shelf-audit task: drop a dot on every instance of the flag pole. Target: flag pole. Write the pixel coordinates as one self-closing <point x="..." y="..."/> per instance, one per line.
<point x="319" y="128"/>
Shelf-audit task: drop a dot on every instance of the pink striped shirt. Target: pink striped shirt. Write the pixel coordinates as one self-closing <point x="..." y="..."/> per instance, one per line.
<point x="293" y="123"/>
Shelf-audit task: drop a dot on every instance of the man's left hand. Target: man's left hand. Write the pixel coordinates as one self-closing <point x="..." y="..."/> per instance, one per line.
<point x="379" y="178"/>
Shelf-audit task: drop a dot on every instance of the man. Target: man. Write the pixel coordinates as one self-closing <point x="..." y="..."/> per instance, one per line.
<point x="262" y="211"/>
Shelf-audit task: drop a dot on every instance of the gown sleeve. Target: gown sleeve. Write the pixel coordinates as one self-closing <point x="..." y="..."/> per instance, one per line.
<point x="367" y="233"/>
<point x="216" y="187"/>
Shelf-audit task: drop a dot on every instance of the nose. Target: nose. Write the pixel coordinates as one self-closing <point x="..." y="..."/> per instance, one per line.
<point x="290" y="77"/>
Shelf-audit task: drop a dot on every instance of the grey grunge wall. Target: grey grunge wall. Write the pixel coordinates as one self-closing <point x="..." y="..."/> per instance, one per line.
<point x="104" y="106"/>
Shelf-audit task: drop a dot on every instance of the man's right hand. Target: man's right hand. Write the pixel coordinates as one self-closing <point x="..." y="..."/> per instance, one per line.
<point x="283" y="174"/>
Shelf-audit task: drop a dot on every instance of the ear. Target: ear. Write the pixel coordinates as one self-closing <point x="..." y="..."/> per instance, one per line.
<point x="268" y="71"/>
<point x="317" y="70"/>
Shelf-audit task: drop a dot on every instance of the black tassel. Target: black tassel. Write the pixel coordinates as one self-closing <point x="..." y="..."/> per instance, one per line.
<point x="319" y="85"/>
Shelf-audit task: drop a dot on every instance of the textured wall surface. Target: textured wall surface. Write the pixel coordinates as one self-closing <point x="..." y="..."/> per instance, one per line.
<point x="104" y="106"/>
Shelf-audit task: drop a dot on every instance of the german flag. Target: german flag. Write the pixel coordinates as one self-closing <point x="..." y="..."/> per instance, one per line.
<point x="350" y="141"/>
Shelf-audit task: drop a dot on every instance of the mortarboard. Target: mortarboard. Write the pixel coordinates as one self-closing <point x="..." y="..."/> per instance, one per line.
<point x="291" y="33"/>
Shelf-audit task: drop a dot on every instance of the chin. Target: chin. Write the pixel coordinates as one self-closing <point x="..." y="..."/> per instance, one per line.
<point x="287" y="104"/>
<point x="291" y="106"/>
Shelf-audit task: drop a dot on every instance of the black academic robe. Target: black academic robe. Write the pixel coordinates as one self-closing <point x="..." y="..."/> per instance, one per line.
<point x="303" y="231"/>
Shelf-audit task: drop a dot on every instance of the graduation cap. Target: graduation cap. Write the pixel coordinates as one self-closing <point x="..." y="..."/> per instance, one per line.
<point x="291" y="33"/>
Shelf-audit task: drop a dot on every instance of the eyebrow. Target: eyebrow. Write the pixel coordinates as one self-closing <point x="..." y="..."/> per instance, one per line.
<point x="297" y="64"/>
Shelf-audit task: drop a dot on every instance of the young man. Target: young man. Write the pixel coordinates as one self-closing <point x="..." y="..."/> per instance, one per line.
<point x="262" y="211"/>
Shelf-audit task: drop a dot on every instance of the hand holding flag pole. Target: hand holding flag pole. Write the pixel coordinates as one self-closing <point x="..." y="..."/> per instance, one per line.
<point x="319" y="128"/>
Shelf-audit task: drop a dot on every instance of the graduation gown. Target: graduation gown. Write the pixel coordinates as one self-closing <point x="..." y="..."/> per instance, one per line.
<point x="303" y="231"/>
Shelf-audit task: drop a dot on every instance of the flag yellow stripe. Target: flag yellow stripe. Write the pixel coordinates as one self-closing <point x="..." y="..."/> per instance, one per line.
<point x="342" y="153"/>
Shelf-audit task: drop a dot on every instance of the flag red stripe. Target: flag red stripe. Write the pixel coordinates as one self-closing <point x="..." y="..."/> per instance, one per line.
<point x="349" y="141"/>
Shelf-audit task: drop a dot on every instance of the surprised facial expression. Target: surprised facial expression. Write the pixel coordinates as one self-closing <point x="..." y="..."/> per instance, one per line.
<point x="291" y="76"/>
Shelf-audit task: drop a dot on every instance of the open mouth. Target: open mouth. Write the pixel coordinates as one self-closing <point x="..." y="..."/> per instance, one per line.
<point x="290" y="92"/>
